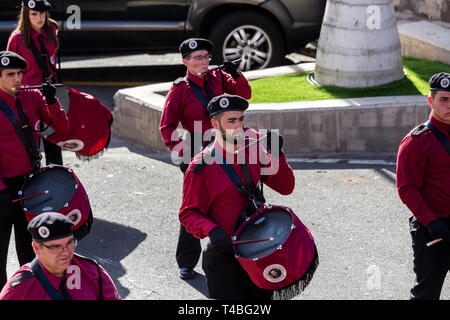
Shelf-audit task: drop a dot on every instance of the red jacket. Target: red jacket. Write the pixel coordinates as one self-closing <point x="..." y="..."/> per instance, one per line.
<point x="82" y="283"/>
<point x="423" y="174"/>
<point x="183" y="106"/>
<point x="13" y="157"/>
<point x="210" y="198"/>
<point x="32" y="73"/>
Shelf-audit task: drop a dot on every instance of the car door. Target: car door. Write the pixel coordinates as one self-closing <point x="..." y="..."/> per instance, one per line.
<point x="9" y="9"/>
<point x="122" y="25"/>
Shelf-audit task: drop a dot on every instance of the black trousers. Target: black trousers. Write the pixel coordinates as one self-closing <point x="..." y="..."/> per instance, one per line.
<point x="431" y="264"/>
<point x="14" y="218"/>
<point x="227" y="280"/>
<point x="188" y="247"/>
<point x="53" y="153"/>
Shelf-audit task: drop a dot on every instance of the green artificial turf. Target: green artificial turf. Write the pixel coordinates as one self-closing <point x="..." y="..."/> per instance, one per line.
<point x="295" y="87"/>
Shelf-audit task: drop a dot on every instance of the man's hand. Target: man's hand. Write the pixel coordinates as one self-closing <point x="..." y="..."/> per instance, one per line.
<point x="49" y="92"/>
<point x="277" y="140"/>
<point x="231" y="69"/>
<point x="438" y="229"/>
<point x="220" y="240"/>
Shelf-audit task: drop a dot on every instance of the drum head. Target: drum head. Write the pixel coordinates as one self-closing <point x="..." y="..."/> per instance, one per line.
<point x="61" y="185"/>
<point x="276" y="223"/>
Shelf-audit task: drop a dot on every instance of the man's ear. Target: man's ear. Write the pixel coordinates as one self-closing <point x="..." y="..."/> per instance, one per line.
<point x="215" y="123"/>
<point x="430" y="100"/>
<point x="35" y="247"/>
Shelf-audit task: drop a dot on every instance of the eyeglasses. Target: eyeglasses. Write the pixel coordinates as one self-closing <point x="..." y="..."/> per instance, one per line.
<point x="201" y="58"/>
<point x="57" y="248"/>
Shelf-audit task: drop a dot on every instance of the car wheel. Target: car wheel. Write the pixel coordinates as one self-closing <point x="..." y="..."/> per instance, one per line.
<point x="248" y="36"/>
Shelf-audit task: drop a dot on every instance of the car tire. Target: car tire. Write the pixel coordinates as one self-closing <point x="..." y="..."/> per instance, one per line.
<point x="260" y="46"/>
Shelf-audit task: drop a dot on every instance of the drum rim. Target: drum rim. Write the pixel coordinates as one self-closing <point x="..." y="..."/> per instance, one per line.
<point x="254" y="216"/>
<point x="42" y="170"/>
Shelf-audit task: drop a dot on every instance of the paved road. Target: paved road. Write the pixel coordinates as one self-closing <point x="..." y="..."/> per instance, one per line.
<point x="353" y="211"/>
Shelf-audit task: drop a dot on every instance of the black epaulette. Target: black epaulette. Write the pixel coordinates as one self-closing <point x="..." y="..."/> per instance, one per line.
<point x="85" y="258"/>
<point x="419" y="130"/>
<point x="179" y="80"/>
<point x="21" y="278"/>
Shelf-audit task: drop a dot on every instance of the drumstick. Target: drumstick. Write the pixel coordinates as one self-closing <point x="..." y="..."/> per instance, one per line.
<point x="254" y="141"/>
<point x="246" y="241"/>
<point x="31" y="196"/>
<point x="219" y="67"/>
<point x="434" y="241"/>
<point x="57" y="85"/>
<point x="251" y="241"/>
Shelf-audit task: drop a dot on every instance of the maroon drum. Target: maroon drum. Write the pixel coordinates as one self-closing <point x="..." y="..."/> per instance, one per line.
<point x="89" y="124"/>
<point x="56" y="188"/>
<point x="288" y="261"/>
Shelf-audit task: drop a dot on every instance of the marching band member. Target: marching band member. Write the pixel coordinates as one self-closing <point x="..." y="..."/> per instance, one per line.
<point x="57" y="272"/>
<point x="36" y="40"/>
<point x="212" y="204"/>
<point x="186" y="103"/>
<point x="20" y="113"/>
<point x="423" y="184"/>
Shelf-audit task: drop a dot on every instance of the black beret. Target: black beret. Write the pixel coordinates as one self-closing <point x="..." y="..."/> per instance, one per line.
<point x="226" y="102"/>
<point x="11" y="60"/>
<point x="37" y="5"/>
<point x="50" y="226"/>
<point x="440" y="82"/>
<point x="195" y="44"/>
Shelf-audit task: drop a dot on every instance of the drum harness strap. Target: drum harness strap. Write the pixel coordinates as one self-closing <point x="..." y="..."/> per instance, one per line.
<point x="441" y="137"/>
<point x="253" y="195"/>
<point x="204" y="100"/>
<point x="52" y="292"/>
<point x="24" y="132"/>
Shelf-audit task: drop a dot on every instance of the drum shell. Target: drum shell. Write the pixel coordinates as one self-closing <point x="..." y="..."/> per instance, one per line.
<point x="89" y="125"/>
<point x="79" y="205"/>
<point x="294" y="257"/>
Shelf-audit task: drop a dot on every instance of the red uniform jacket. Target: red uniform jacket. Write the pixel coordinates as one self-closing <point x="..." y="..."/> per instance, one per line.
<point x="82" y="283"/>
<point x="182" y="105"/>
<point x="423" y="174"/>
<point x="13" y="157"/>
<point x="32" y="73"/>
<point x="210" y="198"/>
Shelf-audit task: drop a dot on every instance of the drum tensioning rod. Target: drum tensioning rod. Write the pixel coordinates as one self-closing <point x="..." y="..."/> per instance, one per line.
<point x="30" y="196"/>
<point x="56" y="85"/>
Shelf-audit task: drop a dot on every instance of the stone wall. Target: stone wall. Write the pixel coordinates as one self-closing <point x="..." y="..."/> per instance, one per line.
<point x="431" y="9"/>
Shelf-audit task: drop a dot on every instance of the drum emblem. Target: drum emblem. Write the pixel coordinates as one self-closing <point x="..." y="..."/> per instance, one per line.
<point x="74" y="216"/>
<point x="275" y="273"/>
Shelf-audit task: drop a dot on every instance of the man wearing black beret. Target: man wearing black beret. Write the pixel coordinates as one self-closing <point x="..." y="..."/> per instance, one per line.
<point x="57" y="272"/>
<point x="423" y="184"/>
<point x="186" y="104"/>
<point x="21" y="114"/>
<point x="212" y="204"/>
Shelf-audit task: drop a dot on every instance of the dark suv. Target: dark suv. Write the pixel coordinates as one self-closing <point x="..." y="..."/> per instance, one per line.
<point x="260" y="32"/>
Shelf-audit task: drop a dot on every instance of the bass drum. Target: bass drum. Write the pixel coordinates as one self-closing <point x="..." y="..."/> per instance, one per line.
<point x="66" y="195"/>
<point x="89" y="124"/>
<point x="286" y="264"/>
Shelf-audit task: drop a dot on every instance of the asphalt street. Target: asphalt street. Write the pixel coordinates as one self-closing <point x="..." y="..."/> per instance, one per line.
<point x="352" y="209"/>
